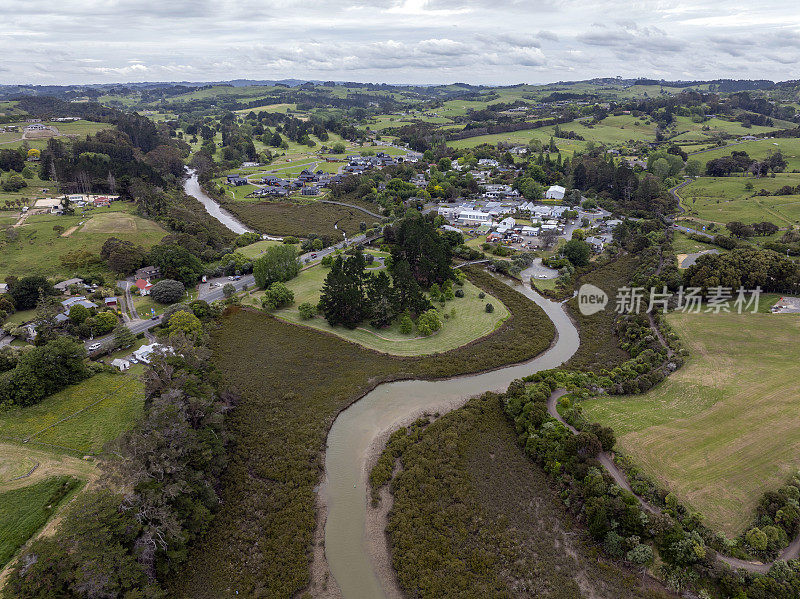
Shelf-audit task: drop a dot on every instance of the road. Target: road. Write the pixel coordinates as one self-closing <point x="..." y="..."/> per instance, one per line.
<point x="605" y="458"/>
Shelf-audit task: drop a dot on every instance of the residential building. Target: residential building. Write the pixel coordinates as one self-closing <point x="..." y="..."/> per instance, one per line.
<point x="120" y="364"/>
<point x="64" y="286"/>
<point x="148" y="272"/>
<point x="144" y="286"/>
<point x="556" y="192"/>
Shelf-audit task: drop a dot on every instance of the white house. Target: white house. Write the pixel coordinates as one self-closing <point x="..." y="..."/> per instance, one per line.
<point x="473" y="217"/>
<point x="597" y="243"/>
<point x="144" y="353"/>
<point x="120" y="364"/>
<point x="556" y="192"/>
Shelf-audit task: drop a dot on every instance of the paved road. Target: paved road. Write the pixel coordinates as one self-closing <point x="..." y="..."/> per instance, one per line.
<point x="678" y="227"/>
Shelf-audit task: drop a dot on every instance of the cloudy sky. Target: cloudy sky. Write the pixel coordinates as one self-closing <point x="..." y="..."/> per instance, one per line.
<point x="396" y="41"/>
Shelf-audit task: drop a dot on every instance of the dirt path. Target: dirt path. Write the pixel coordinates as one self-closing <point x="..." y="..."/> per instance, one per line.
<point x="70" y="231"/>
<point x="605" y="458"/>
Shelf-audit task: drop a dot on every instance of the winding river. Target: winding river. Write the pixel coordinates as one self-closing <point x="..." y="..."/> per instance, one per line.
<point x="386" y="407"/>
<point x="192" y="187"/>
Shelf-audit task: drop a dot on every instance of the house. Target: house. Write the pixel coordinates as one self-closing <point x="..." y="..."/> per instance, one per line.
<point x="101" y="201"/>
<point x="144" y="353"/>
<point x="120" y="363"/>
<point x="52" y="205"/>
<point x="61" y="318"/>
<point x="488" y="162"/>
<point x="309" y="190"/>
<point x="36" y="127"/>
<point x="64" y="286"/>
<point x="3" y="288"/>
<point x="110" y="302"/>
<point x="250" y="164"/>
<point x="473" y="217"/>
<point x="143" y="286"/>
<point x="556" y="192"/>
<point x="78" y="300"/>
<point x="236" y="180"/>
<point x="597" y="243"/>
<point x="148" y="272"/>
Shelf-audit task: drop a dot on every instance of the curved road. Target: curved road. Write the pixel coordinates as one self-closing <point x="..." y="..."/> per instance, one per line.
<point x="605" y="458"/>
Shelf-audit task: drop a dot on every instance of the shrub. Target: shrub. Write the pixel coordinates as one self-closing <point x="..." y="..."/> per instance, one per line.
<point x="168" y="291"/>
<point x="228" y="289"/>
<point x="307" y="310"/>
<point x="277" y="296"/>
<point x="481" y="295"/>
<point x="291" y="240"/>
<point x="406" y="324"/>
<point x="459" y="293"/>
<point x="429" y="322"/>
<point x="489" y="308"/>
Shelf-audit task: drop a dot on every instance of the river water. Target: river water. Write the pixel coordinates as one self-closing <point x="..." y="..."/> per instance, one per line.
<point x="356" y="429"/>
<point x="192" y="187"/>
<point x="384" y="408"/>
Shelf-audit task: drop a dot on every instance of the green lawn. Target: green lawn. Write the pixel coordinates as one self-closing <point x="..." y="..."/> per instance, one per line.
<point x="683" y="245"/>
<point x="724" y="428"/>
<point x="39" y="249"/>
<point x="724" y="199"/>
<point x="85" y="427"/>
<point x="24" y="511"/>
<point x="760" y="149"/>
<point x="254" y="250"/>
<point x="471" y="321"/>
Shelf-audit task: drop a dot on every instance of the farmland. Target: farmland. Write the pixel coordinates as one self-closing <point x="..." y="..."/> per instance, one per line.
<point x="38" y="248"/>
<point x="696" y="432"/>
<point x="25" y="510"/>
<point x="724" y="199"/>
<point x="471" y="321"/>
<point x="80" y="419"/>
<point x="759" y="150"/>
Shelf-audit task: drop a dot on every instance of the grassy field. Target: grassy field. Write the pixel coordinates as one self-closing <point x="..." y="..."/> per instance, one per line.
<point x="261" y="539"/>
<point x="724" y="199"/>
<point x="724" y="428"/>
<point x="39" y="249"/>
<point x="471" y="321"/>
<point x="683" y="245"/>
<point x="759" y="150"/>
<point x="70" y="419"/>
<point x="254" y="250"/>
<point x="24" y="511"/>
<point x="65" y="131"/>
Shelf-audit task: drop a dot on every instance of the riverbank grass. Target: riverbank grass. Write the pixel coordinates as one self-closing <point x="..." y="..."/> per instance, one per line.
<point x="471" y="321"/>
<point x="724" y="428"/>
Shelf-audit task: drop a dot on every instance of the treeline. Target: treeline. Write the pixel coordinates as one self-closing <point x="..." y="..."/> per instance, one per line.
<point x="740" y="162"/>
<point x="745" y="267"/>
<point x="28" y="376"/>
<point x="129" y="536"/>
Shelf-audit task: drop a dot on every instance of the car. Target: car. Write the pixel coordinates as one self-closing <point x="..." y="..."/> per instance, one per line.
<point x="133" y="360"/>
<point x="230" y="278"/>
<point x="313" y="256"/>
<point x="95" y="346"/>
<point x="156" y="317"/>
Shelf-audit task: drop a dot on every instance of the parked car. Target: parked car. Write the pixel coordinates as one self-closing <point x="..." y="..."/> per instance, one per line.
<point x="95" y="346"/>
<point x="313" y="256"/>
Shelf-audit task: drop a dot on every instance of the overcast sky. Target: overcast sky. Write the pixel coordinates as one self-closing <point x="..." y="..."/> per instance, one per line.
<point x="396" y="41"/>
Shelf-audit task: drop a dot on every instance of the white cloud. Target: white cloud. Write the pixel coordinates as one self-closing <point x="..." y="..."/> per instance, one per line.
<point x="408" y="41"/>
